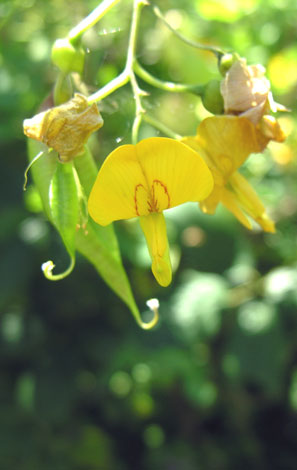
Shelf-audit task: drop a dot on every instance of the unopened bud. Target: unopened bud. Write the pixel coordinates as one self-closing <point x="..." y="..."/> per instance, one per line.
<point x="245" y="87"/>
<point x="226" y="61"/>
<point x="67" y="57"/>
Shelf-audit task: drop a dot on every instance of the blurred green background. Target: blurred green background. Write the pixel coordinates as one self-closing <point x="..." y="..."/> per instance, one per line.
<point x="214" y="385"/>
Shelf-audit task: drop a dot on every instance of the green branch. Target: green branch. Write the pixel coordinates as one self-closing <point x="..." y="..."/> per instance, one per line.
<point x="164" y="85"/>
<point x="110" y="87"/>
<point x="160" y="126"/>
<point x="91" y="19"/>
<point x="215" y="50"/>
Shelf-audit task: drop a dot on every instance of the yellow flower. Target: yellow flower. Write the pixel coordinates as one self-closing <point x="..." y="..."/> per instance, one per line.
<point x="142" y="181"/>
<point x="65" y="128"/>
<point x="225" y="142"/>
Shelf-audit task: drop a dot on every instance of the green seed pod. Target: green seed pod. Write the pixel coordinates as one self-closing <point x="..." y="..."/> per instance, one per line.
<point x="64" y="204"/>
<point x="212" y="99"/>
<point x="67" y="57"/>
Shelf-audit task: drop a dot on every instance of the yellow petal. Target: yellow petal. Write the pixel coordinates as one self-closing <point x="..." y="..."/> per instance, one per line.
<point x="195" y="144"/>
<point x="209" y="205"/>
<point x="227" y="141"/>
<point x="250" y="202"/>
<point x="155" y="174"/>
<point x="230" y="201"/>
<point x="173" y="165"/>
<point x="271" y="129"/>
<point x="266" y="223"/>
<point x="154" y="229"/>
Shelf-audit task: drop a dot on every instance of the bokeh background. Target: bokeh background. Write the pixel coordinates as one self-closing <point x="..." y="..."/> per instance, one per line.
<point x="214" y="385"/>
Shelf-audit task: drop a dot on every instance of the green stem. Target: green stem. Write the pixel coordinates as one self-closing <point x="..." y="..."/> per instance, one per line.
<point x="135" y="128"/>
<point x="127" y="74"/>
<point x="215" y="50"/>
<point x="161" y="127"/>
<point x="164" y="85"/>
<point x="137" y="7"/>
<point x="91" y="19"/>
<point x="116" y="83"/>
<point x="137" y="92"/>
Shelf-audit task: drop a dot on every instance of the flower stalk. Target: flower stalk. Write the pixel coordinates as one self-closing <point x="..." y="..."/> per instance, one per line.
<point x="78" y="30"/>
<point x="164" y="85"/>
<point x="215" y="50"/>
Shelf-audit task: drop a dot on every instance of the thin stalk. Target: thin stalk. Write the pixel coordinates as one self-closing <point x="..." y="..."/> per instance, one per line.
<point x="110" y="87"/>
<point x="165" y="85"/>
<point x="91" y="19"/>
<point x="137" y="92"/>
<point x="161" y="127"/>
<point x="137" y="7"/>
<point x="135" y="128"/>
<point x="215" y="50"/>
<point x="48" y="267"/>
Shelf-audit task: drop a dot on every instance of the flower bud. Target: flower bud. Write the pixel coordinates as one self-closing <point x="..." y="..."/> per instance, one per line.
<point x="67" y="57"/>
<point x="212" y="99"/>
<point x="245" y="88"/>
<point x="226" y="61"/>
<point x="246" y="93"/>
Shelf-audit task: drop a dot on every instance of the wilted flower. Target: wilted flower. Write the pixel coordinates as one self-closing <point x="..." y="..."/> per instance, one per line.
<point x="65" y="128"/>
<point x="142" y="181"/>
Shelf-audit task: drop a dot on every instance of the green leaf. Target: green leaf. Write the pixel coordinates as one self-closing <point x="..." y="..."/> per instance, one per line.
<point x="105" y="257"/>
<point x="99" y="244"/>
<point x="87" y="172"/>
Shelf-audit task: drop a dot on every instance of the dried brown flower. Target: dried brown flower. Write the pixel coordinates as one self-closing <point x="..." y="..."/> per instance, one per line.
<point x="65" y="128"/>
